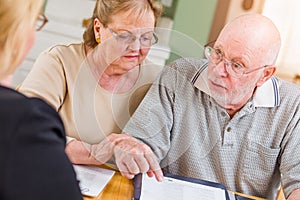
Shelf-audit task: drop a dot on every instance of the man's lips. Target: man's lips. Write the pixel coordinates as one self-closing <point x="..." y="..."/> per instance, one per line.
<point x="217" y="85"/>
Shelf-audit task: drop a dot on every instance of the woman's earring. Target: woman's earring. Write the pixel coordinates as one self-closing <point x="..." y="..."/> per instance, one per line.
<point x="98" y="40"/>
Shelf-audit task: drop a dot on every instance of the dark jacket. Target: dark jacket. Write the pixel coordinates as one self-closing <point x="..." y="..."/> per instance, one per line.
<point x="33" y="163"/>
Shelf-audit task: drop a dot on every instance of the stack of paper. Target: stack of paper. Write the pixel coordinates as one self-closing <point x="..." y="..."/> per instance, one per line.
<point x="178" y="188"/>
<point x="92" y="179"/>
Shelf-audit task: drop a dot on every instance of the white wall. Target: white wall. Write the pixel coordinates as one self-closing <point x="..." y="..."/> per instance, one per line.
<point x="64" y="26"/>
<point x="286" y="16"/>
<point x="235" y="9"/>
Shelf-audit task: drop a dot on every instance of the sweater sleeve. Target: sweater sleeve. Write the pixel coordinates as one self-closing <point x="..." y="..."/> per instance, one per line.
<point x="153" y="120"/>
<point x="46" y="80"/>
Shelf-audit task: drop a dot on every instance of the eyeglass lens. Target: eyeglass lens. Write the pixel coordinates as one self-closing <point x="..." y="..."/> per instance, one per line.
<point x="147" y="39"/>
<point x="234" y="69"/>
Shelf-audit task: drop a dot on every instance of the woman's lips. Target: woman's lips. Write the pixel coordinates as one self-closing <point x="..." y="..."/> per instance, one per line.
<point x="131" y="57"/>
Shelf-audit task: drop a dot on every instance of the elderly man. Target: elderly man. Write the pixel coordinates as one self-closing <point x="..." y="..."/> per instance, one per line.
<point x="225" y="119"/>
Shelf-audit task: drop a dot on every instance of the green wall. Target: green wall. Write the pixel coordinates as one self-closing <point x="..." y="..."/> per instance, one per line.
<point x="170" y="11"/>
<point x="192" y="22"/>
<point x="44" y="6"/>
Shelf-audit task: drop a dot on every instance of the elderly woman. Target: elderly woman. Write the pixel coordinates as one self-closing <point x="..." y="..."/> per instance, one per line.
<point x="31" y="131"/>
<point x="97" y="85"/>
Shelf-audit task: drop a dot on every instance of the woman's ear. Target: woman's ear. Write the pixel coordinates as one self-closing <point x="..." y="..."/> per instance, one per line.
<point x="97" y="28"/>
<point x="268" y="72"/>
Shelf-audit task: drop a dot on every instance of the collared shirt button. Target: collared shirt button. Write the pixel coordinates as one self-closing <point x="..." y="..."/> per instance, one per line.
<point x="223" y="114"/>
<point x="228" y="129"/>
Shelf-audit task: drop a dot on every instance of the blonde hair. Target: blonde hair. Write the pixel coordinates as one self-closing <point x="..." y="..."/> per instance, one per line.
<point x="105" y="9"/>
<point x="17" y="19"/>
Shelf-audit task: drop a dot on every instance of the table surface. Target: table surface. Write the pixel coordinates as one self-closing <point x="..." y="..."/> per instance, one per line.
<point x="121" y="188"/>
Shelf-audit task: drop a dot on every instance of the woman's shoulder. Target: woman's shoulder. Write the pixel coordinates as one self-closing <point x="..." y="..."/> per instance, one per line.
<point x="32" y="129"/>
<point x="74" y="50"/>
<point x="10" y="96"/>
<point x="17" y="108"/>
<point x="66" y="56"/>
<point x="11" y="99"/>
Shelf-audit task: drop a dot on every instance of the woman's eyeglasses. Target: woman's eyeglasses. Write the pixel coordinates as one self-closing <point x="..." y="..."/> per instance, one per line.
<point x="40" y="22"/>
<point x="125" y="37"/>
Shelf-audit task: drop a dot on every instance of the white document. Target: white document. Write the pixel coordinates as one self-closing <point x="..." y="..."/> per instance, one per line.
<point x="174" y="189"/>
<point x="92" y="179"/>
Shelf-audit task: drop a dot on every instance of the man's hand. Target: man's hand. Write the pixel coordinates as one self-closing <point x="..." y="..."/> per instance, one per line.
<point x="102" y="151"/>
<point x="133" y="157"/>
<point x="295" y="195"/>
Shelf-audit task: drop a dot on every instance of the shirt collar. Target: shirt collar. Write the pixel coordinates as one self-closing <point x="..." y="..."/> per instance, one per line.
<point x="266" y="95"/>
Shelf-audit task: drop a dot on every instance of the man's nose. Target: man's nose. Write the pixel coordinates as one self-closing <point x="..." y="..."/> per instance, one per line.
<point x="220" y="68"/>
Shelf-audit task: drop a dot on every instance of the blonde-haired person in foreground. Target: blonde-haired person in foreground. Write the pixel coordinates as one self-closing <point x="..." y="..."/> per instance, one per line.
<point x="225" y="119"/>
<point x="33" y="163"/>
<point x="96" y="85"/>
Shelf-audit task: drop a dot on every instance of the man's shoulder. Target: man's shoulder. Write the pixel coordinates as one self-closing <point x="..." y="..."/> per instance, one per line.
<point x="188" y="67"/>
<point x="190" y="64"/>
<point x="288" y="89"/>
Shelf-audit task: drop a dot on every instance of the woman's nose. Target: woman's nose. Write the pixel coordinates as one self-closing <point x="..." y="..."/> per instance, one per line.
<point x="135" y="45"/>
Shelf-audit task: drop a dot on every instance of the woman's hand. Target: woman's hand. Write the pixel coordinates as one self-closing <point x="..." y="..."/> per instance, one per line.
<point x="80" y="152"/>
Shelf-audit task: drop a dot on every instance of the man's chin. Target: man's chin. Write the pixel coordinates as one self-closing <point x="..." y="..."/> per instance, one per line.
<point x="221" y="100"/>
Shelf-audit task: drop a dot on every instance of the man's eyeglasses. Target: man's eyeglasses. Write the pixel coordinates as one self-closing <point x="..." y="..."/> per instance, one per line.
<point x="40" y="22"/>
<point x="236" y="70"/>
<point x="125" y="37"/>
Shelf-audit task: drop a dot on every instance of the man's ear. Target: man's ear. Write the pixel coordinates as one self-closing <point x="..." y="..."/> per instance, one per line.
<point x="268" y="72"/>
